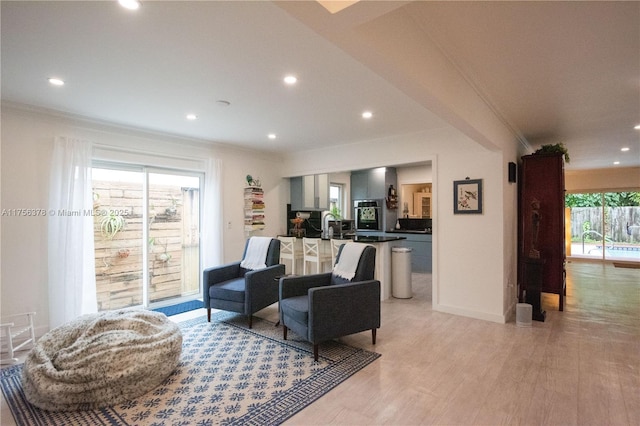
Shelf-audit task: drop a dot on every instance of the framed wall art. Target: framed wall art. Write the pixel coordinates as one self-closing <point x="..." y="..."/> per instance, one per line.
<point x="467" y="196"/>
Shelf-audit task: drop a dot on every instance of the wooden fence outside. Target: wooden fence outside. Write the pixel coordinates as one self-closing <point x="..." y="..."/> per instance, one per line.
<point x="173" y="259"/>
<point x="620" y="224"/>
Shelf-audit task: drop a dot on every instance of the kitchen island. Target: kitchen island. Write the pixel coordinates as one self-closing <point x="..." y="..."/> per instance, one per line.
<point x="383" y="245"/>
<point x="420" y="243"/>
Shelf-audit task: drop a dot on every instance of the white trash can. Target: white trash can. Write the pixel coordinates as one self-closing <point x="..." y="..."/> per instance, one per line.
<point x="524" y="314"/>
<point x="401" y="272"/>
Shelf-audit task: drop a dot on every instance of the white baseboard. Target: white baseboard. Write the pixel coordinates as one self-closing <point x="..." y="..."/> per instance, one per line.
<point x="501" y="319"/>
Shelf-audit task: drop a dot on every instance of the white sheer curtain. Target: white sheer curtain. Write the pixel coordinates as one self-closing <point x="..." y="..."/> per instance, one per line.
<point x="212" y="215"/>
<point x="72" y="280"/>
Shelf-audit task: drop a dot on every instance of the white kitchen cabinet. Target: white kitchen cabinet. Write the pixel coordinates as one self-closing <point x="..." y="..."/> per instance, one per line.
<point x="310" y="192"/>
<point x="422" y="205"/>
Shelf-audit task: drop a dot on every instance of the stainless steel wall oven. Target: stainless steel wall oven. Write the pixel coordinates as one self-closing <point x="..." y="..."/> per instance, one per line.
<point x="368" y="214"/>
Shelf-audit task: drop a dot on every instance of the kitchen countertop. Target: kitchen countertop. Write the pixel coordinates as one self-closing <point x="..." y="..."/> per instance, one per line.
<point x="375" y="239"/>
<point x="365" y="238"/>
<point x="409" y="231"/>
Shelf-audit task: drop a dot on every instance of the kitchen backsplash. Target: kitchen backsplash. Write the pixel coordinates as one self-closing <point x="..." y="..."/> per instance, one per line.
<point x="415" y="224"/>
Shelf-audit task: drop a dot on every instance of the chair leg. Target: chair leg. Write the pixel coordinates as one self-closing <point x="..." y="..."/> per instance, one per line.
<point x="208" y="314"/>
<point x="284" y="332"/>
<point x="315" y="352"/>
<point x="250" y="320"/>
<point x="373" y="335"/>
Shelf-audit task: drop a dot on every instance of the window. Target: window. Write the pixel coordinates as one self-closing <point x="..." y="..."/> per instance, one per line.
<point x="336" y="200"/>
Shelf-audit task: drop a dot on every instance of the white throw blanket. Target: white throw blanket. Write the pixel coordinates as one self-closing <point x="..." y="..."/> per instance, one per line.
<point x="256" y="255"/>
<point x="348" y="262"/>
<point x="98" y="360"/>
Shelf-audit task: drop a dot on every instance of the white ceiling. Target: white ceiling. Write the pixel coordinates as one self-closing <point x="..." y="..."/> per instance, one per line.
<point x="551" y="71"/>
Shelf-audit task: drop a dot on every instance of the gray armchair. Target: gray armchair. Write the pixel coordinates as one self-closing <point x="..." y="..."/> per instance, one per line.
<point x="325" y="306"/>
<point x="233" y="288"/>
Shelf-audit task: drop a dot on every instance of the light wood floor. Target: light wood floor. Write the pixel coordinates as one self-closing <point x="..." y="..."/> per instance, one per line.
<point x="579" y="367"/>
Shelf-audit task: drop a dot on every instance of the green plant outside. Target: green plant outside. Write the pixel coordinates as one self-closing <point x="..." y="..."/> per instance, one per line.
<point x="611" y="199"/>
<point x="335" y="211"/>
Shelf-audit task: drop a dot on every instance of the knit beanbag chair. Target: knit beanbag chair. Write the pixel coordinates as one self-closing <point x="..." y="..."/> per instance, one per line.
<point x="101" y="359"/>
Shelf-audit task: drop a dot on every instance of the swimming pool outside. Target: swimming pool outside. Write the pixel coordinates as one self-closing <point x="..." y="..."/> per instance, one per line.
<point x="612" y="251"/>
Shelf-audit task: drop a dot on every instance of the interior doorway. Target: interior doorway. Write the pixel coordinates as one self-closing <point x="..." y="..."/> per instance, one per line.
<point x="416" y="200"/>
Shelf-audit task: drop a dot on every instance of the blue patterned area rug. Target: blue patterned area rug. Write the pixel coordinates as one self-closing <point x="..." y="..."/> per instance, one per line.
<point x="227" y="375"/>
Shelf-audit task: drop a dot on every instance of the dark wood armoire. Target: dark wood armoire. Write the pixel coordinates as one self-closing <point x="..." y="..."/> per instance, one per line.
<point x="541" y="226"/>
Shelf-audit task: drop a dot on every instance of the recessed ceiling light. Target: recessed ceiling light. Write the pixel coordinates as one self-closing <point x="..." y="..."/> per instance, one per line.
<point x="367" y="114"/>
<point x="271" y="135"/>
<point x="192" y="117"/>
<point x="56" y="81"/>
<point x="625" y="149"/>
<point x="637" y="127"/>
<point x="616" y="163"/>
<point x="130" y="4"/>
<point x="290" y="79"/>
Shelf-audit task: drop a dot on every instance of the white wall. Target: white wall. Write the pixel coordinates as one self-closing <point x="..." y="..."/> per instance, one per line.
<point x="415" y="174"/>
<point x="613" y="180"/>
<point x="27" y="140"/>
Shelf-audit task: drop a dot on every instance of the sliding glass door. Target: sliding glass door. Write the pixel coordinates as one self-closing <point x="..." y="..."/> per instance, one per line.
<point x="622" y="226"/>
<point x="586" y="224"/>
<point x="147" y="236"/>
<point x="173" y="237"/>
<point x="118" y="205"/>
<point x="605" y="225"/>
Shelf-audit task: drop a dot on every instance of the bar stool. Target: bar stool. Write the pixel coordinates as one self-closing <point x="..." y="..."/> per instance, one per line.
<point x="289" y="251"/>
<point x="335" y="246"/>
<point x="313" y="253"/>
